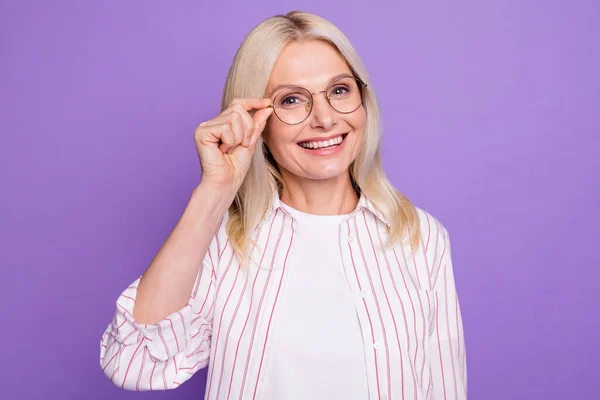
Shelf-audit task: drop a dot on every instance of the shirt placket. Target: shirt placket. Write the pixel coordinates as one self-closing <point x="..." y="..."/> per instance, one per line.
<point x="363" y="303"/>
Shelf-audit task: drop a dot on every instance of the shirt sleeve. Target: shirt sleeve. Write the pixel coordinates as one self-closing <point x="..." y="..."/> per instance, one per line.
<point x="161" y="356"/>
<point x="447" y="345"/>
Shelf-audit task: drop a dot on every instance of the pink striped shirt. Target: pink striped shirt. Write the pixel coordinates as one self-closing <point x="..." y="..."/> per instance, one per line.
<point x="409" y="315"/>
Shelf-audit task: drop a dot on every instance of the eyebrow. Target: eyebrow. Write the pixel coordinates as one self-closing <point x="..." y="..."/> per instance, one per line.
<point x="287" y="85"/>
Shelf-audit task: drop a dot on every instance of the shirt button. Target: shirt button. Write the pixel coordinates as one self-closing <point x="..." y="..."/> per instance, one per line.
<point x="376" y="345"/>
<point x="350" y="239"/>
<point x="363" y="293"/>
<point x="383" y="397"/>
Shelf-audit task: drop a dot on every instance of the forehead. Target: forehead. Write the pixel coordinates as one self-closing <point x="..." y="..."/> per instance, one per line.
<point x="309" y="64"/>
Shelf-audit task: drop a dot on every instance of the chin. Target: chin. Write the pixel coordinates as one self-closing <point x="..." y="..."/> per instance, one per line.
<point x="325" y="174"/>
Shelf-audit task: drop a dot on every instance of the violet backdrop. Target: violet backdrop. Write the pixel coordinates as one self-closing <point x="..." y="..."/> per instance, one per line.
<point x="491" y="123"/>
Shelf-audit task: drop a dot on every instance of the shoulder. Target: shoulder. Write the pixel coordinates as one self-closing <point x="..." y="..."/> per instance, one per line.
<point x="430" y="225"/>
<point x="433" y="234"/>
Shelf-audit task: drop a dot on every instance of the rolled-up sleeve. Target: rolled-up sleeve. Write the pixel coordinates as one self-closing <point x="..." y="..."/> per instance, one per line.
<point x="447" y="344"/>
<point x="163" y="355"/>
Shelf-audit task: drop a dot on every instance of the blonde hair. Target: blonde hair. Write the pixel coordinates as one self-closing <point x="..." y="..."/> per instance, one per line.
<point x="248" y="77"/>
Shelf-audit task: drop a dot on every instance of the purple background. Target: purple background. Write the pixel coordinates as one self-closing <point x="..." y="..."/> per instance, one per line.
<point x="491" y="124"/>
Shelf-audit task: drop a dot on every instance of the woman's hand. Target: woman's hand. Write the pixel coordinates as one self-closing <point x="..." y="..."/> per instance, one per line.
<point x="226" y="143"/>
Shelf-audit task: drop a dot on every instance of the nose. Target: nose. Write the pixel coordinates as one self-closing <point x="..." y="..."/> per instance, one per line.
<point x="323" y="116"/>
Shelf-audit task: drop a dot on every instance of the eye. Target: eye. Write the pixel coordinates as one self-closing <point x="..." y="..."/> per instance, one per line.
<point x="339" y="90"/>
<point x="290" y="100"/>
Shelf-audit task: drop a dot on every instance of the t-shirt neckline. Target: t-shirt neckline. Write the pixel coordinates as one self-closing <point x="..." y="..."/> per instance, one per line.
<point x="314" y="218"/>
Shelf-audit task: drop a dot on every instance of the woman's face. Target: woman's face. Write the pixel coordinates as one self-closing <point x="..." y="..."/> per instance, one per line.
<point x="312" y="65"/>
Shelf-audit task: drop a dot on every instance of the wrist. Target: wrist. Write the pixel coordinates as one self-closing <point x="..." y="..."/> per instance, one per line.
<point x="217" y="199"/>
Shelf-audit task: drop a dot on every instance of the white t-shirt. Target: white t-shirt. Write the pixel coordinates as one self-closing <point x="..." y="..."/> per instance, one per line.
<point x="325" y="360"/>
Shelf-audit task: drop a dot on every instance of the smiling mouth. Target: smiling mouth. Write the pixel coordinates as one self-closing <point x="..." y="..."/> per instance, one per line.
<point x="329" y="144"/>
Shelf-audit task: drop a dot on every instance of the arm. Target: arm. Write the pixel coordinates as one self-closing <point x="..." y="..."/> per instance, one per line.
<point x="160" y="333"/>
<point x="448" y="355"/>
<point x="167" y="283"/>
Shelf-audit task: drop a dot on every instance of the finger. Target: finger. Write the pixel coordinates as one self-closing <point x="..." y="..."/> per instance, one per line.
<point x="245" y="116"/>
<point x="234" y="118"/>
<point x="260" y="120"/>
<point x="227" y="139"/>
<point x="248" y="125"/>
<point x="219" y="133"/>
<point x="251" y="103"/>
<point x="247" y="121"/>
<point x="237" y="127"/>
<point x="224" y="117"/>
<point x="261" y="116"/>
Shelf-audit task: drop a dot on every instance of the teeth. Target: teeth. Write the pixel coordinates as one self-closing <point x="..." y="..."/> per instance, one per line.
<point x="317" y="145"/>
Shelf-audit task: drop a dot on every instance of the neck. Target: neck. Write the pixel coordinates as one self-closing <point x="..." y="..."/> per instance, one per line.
<point x="334" y="196"/>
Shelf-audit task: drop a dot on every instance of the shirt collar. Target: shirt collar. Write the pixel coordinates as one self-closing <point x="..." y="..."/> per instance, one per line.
<point x="363" y="203"/>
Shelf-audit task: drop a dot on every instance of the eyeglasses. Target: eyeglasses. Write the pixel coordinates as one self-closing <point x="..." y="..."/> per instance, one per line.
<point x="294" y="104"/>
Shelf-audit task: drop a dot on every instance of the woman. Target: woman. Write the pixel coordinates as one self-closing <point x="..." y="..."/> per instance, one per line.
<point x="296" y="271"/>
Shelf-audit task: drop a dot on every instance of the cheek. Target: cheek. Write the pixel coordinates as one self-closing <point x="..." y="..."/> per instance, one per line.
<point x="359" y="119"/>
<point x="278" y="135"/>
<point x="270" y="133"/>
<point x="358" y="124"/>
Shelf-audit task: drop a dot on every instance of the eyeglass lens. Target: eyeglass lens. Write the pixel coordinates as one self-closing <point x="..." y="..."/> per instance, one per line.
<point x="293" y="105"/>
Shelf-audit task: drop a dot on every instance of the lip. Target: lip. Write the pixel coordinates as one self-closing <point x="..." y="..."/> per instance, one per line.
<point x="322" y="139"/>
<point x="328" y="151"/>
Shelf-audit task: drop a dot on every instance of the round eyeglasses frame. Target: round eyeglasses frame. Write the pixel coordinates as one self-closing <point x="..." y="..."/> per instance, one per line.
<point x="362" y="85"/>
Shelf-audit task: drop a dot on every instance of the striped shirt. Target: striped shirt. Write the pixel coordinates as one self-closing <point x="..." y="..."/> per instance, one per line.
<point x="409" y="315"/>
